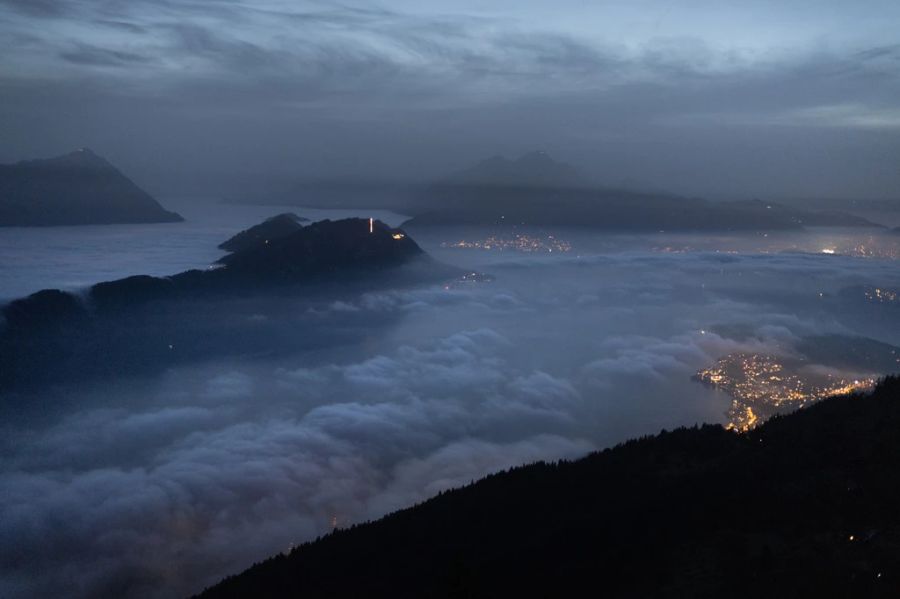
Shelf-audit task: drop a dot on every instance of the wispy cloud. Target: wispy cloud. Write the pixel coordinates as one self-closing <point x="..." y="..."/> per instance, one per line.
<point x="83" y="54"/>
<point x="476" y="76"/>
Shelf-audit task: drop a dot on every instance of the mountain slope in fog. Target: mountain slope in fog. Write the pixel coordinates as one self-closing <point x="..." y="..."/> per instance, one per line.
<point x="804" y="505"/>
<point x="79" y="188"/>
<point x="144" y="323"/>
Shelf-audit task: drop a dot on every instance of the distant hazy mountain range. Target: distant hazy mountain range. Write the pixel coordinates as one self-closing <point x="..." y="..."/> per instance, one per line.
<point x="536" y="190"/>
<point x="79" y="188"/>
<point x="803" y="506"/>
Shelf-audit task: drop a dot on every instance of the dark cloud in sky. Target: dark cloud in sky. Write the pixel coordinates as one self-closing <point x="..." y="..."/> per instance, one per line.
<point x="232" y="93"/>
<point x="38" y="8"/>
<point x="84" y="54"/>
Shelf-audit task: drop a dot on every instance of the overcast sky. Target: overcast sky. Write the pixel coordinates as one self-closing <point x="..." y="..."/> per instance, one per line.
<point x="719" y="98"/>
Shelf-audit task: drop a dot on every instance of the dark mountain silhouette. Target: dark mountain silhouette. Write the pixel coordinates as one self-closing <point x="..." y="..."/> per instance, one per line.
<point x="79" y="188"/>
<point x="802" y="506"/>
<point x="143" y="322"/>
<point x="537" y="191"/>
<point x="319" y="252"/>
<point x="324" y="248"/>
<point x="536" y="169"/>
<point x="273" y="228"/>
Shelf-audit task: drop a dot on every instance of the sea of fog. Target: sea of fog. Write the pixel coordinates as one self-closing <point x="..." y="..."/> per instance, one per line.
<point x="160" y="485"/>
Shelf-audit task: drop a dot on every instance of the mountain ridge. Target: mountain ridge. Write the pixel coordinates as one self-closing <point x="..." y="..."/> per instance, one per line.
<point x="534" y="189"/>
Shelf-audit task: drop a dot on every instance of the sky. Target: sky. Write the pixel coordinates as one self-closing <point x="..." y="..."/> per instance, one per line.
<point x="715" y="98"/>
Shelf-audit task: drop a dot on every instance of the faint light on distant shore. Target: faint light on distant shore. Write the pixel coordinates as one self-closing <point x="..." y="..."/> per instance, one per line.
<point x="828" y="251"/>
<point x="518" y="242"/>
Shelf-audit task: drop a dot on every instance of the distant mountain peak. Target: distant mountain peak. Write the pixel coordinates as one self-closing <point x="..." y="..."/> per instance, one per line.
<point x="83" y="157"/>
<point x="77" y="188"/>
<point x="80" y="158"/>
<point x="276" y="227"/>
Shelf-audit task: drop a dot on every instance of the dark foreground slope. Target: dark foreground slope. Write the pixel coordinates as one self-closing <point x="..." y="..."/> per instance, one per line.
<point x="247" y="304"/>
<point x="79" y="188"/>
<point x="805" y="505"/>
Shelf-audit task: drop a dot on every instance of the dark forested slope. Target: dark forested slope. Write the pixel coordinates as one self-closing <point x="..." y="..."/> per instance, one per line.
<point x="805" y="505"/>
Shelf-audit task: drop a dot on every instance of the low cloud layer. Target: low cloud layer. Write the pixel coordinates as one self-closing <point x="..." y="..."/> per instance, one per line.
<point x="160" y="486"/>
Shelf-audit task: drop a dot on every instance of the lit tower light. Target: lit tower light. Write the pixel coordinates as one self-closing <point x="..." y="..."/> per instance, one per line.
<point x="371" y="225"/>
